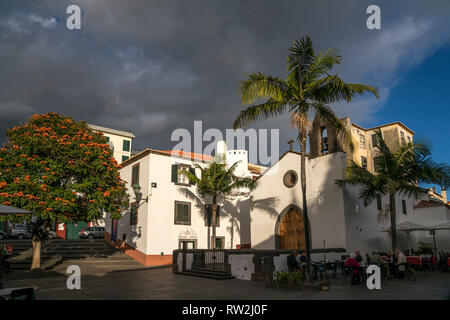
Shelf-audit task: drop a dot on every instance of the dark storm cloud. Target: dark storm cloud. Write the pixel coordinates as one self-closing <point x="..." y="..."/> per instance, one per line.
<point x="154" y="66"/>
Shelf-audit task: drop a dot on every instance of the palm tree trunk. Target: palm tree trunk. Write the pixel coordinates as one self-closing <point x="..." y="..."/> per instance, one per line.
<point x="213" y="223"/>
<point x="303" y="185"/>
<point x="393" y="221"/>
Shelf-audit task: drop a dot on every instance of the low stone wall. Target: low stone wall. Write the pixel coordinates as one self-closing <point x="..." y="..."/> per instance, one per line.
<point x="258" y="265"/>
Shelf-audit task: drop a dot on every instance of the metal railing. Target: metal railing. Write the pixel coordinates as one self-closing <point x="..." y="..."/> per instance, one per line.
<point x="210" y="259"/>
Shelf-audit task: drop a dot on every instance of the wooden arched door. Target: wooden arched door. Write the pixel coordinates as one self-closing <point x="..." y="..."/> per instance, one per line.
<point x="292" y="231"/>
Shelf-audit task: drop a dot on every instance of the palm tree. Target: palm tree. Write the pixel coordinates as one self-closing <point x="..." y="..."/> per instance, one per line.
<point x="309" y="87"/>
<point x="400" y="169"/>
<point x="216" y="182"/>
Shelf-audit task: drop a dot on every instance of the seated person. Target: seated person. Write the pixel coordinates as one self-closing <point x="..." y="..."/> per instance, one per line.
<point x="292" y="262"/>
<point x="375" y="258"/>
<point x="392" y="264"/>
<point x="358" y="256"/>
<point x="303" y="259"/>
<point x="353" y="263"/>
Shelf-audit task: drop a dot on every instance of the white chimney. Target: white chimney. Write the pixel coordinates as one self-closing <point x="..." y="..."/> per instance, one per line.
<point x="444" y="195"/>
<point x="221" y="151"/>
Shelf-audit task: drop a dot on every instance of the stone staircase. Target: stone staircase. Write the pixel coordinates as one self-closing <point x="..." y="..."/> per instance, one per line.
<point x="57" y="252"/>
<point x="207" y="273"/>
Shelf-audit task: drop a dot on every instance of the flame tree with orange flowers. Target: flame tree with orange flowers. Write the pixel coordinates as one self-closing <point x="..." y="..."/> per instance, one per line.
<point x="60" y="170"/>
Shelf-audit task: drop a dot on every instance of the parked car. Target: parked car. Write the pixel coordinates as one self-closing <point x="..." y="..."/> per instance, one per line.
<point x="92" y="233"/>
<point x="52" y="235"/>
<point x="2" y="235"/>
<point x="21" y="231"/>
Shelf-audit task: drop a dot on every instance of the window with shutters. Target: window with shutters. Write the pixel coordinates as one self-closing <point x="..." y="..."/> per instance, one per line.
<point x="208" y="216"/>
<point x="378" y="163"/>
<point x="402" y="137"/>
<point x="182" y="213"/>
<point x="374" y="141"/>
<point x="126" y="145"/>
<point x="178" y="177"/>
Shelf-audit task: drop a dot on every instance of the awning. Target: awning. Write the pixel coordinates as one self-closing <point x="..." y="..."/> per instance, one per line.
<point x="408" y="226"/>
<point x="12" y="211"/>
<point x="442" y="226"/>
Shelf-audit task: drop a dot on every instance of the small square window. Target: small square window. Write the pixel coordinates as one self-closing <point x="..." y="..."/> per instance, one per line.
<point x="124" y="158"/>
<point x="107" y="139"/>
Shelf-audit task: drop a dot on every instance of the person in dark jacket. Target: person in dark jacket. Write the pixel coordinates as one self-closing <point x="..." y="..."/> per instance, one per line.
<point x="292" y="262"/>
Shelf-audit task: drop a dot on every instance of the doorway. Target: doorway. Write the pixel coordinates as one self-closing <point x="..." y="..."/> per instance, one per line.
<point x="291" y="230"/>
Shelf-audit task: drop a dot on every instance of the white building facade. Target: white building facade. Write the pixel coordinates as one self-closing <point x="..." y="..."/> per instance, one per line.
<point x="120" y="141"/>
<point x="171" y="214"/>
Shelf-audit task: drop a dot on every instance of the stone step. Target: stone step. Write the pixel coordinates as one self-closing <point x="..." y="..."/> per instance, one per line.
<point x="203" y="274"/>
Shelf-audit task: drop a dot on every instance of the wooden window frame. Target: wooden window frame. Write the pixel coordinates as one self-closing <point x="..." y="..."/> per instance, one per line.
<point x="178" y="183"/>
<point x="123" y="145"/>
<point x="175" y="213"/>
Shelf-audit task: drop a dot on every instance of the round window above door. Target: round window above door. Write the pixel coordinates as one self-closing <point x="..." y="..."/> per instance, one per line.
<point x="290" y="178"/>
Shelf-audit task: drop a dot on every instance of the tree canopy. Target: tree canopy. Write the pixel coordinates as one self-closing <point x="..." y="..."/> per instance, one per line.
<point x="60" y="170"/>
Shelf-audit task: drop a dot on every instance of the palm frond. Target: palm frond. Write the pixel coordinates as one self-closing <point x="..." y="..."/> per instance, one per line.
<point x="322" y="63"/>
<point x="299" y="60"/>
<point x="266" y="110"/>
<point x="259" y="85"/>
<point x="332" y="88"/>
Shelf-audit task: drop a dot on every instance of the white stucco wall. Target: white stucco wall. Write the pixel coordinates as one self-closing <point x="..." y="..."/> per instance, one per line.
<point x="325" y="201"/>
<point x="242" y="266"/>
<point x="156" y="231"/>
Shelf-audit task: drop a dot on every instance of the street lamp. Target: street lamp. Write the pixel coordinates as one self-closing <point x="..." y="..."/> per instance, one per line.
<point x="138" y="194"/>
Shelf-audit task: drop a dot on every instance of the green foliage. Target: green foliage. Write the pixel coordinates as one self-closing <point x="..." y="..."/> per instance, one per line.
<point x="60" y="170"/>
<point x="425" y="248"/>
<point x="403" y="168"/>
<point x="218" y="181"/>
<point x="285" y="277"/>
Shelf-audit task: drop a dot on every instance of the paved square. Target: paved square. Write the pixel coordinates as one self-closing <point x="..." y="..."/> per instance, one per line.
<point x="163" y="284"/>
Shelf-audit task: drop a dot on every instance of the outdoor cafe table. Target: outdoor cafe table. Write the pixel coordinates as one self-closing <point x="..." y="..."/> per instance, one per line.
<point x="414" y="260"/>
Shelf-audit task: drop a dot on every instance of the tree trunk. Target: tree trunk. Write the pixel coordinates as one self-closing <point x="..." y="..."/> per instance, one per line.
<point x="213" y="223"/>
<point x="393" y="221"/>
<point x="36" y="262"/>
<point x="305" y="207"/>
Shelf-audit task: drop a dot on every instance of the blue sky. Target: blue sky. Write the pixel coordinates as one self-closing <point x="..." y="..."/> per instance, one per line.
<point x="421" y="100"/>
